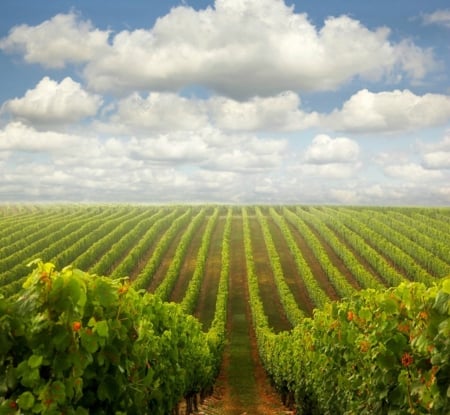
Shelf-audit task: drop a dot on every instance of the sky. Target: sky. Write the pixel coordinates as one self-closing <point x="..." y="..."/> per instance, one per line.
<point x="226" y="101"/>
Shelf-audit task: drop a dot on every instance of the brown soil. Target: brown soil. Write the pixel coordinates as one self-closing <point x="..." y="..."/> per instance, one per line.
<point x="360" y="259"/>
<point x="206" y="303"/>
<point x="189" y="263"/>
<point x="267" y="287"/>
<point x="147" y="255"/>
<point x="292" y="277"/>
<point x="166" y="260"/>
<point x="248" y="392"/>
<point x="313" y="263"/>
<point x="121" y="257"/>
<point x="335" y="260"/>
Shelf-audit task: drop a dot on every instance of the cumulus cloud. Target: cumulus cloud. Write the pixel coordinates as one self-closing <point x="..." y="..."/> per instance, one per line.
<point x="336" y="171"/>
<point x="19" y="137"/>
<point x="280" y="112"/>
<point x="211" y="149"/>
<point x="165" y="111"/>
<point x="400" y="194"/>
<point x="171" y="148"/>
<point x="59" y="173"/>
<point x="437" y="156"/>
<point x="51" y="102"/>
<point x="233" y="142"/>
<point x="157" y="112"/>
<point x="439" y="17"/>
<point x="437" y="160"/>
<point x="390" y="111"/>
<point x="162" y="167"/>
<point x="248" y="48"/>
<point x="411" y="172"/>
<point x="65" y="38"/>
<point x="236" y="48"/>
<point x="245" y="161"/>
<point x="326" y="150"/>
<point x="327" y="157"/>
<point x="204" y="166"/>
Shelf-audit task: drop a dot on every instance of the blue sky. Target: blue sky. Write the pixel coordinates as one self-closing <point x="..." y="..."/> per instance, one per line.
<point x="227" y="101"/>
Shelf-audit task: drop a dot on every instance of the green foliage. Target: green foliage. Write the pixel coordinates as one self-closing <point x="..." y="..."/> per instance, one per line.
<point x="290" y="306"/>
<point x="217" y="331"/>
<point x="191" y="295"/>
<point x="76" y="343"/>
<point x="381" y="352"/>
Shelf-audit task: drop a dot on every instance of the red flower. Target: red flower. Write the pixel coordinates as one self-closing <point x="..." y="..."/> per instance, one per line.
<point x="407" y="359"/>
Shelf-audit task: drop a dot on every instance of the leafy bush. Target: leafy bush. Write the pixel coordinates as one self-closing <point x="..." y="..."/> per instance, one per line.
<point x="76" y="343"/>
<point x="380" y="352"/>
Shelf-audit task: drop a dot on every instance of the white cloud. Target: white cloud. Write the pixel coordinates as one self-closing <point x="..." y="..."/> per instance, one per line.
<point x="437" y="155"/>
<point x="329" y="158"/>
<point x="334" y="171"/>
<point x="246" y="64"/>
<point x="238" y="48"/>
<point x="165" y="111"/>
<point x="400" y="166"/>
<point x="171" y="148"/>
<point x="51" y="102"/>
<point x="164" y="167"/>
<point x="437" y="160"/>
<point x="411" y="172"/>
<point x="443" y="145"/>
<point x="64" y="38"/>
<point x="157" y="112"/>
<point x="345" y="196"/>
<point x="278" y="113"/>
<point x="248" y="48"/>
<point x="414" y="60"/>
<point x="204" y="166"/>
<point x="392" y="111"/>
<point x="18" y="137"/>
<point x="327" y="150"/>
<point x="243" y="160"/>
<point x="439" y="17"/>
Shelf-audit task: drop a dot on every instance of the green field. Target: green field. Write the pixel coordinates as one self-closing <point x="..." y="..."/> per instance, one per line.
<point x="282" y="263"/>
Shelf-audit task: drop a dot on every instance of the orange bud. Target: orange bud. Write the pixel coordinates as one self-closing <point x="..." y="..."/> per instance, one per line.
<point x="123" y="289"/>
<point x="423" y="315"/>
<point x="364" y="346"/>
<point x="76" y="326"/>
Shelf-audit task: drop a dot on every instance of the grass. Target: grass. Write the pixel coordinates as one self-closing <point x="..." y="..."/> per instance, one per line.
<point x="240" y="370"/>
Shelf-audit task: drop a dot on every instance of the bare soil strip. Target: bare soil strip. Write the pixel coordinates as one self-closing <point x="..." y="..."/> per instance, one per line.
<point x="206" y="303"/>
<point x="242" y="386"/>
<point x="188" y="267"/>
<point x="148" y="254"/>
<point x="166" y="260"/>
<point x="335" y="260"/>
<point x="291" y="275"/>
<point x="267" y="287"/>
<point x="358" y="256"/>
<point x="314" y="264"/>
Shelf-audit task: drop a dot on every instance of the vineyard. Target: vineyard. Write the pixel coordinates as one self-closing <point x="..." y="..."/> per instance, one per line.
<point x="257" y="278"/>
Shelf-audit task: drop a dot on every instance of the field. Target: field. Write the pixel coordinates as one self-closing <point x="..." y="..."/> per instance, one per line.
<point x="282" y="263"/>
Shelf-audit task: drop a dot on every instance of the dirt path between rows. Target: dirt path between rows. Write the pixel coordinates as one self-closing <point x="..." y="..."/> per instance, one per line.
<point x="242" y="386"/>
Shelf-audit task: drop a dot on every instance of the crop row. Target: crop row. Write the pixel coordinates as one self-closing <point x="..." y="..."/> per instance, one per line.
<point x="349" y="247"/>
<point x="375" y="247"/>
